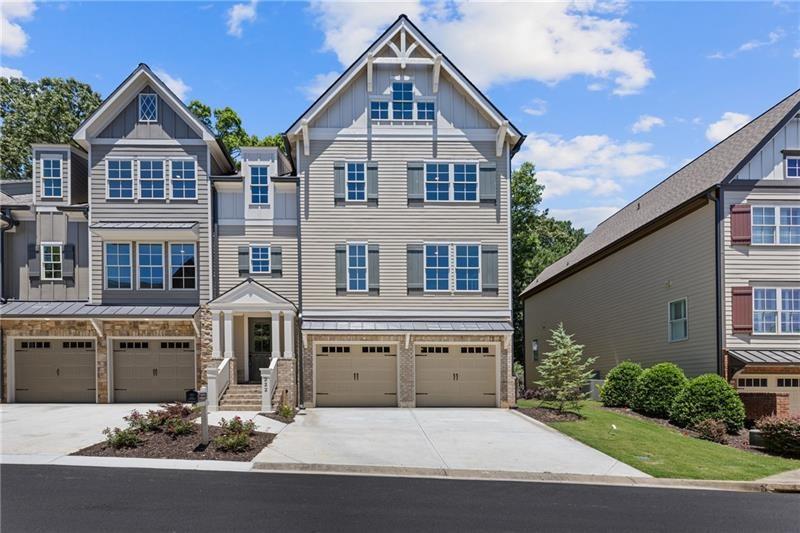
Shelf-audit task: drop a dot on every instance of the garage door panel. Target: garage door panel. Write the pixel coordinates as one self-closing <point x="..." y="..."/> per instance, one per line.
<point x="54" y="370"/>
<point x="152" y="370"/>
<point x="455" y="376"/>
<point x="356" y="378"/>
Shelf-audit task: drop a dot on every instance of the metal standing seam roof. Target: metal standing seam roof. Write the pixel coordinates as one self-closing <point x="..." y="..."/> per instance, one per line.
<point x="708" y="170"/>
<point x="402" y="325"/>
<point x="144" y="225"/>
<point x="86" y="310"/>
<point x="767" y="356"/>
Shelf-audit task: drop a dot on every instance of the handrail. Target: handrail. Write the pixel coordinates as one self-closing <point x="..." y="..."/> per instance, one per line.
<point x="269" y="382"/>
<point x="218" y="379"/>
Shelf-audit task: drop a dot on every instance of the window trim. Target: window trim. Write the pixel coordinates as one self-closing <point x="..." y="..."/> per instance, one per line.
<point x="786" y="167"/>
<point x="451" y="180"/>
<point x="366" y="265"/>
<point x="778" y="311"/>
<point x="250" y="257"/>
<point x="196" y="265"/>
<point x="130" y="265"/>
<point x="425" y="268"/>
<point x="685" y="301"/>
<point x="133" y="178"/>
<point x="347" y="181"/>
<point x="60" y="246"/>
<point x="196" y="179"/>
<point x="138" y="264"/>
<point x="777" y="214"/>
<point x="455" y="268"/>
<point x="138" y="187"/>
<point x="139" y="109"/>
<point x="250" y="202"/>
<point x="60" y="176"/>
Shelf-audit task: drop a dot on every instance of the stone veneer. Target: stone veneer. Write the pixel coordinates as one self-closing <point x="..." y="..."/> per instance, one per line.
<point x="286" y="382"/>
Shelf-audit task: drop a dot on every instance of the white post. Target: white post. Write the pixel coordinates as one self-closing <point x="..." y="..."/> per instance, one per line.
<point x="216" y="335"/>
<point x="228" y="334"/>
<point x="213" y="392"/>
<point x="288" y="334"/>
<point x="275" y="332"/>
<point x="266" y="401"/>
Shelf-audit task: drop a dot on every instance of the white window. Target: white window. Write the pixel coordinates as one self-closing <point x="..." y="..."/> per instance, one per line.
<point x="357" y="267"/>
<point x="151" y="179"/>
<point x="446" y="182"/>
<point x="437" y="267"/>
<point x="678" y="320"/>
<point x="776" y="310"/>
<point x="51" y="178"/>
<point x="460" y="262"/>
<point x="259" y="185"/>
<point x="182" y="265"/>
<point x="184" y="179"/>
<point x="356" y="182"/>
<point x="259" y="259"/>
<point x="426" y="111"/>
<point x="468" y="267"/>
<point x="119" y="274"/>
<point x="793" y="167"/>
<point x="148" y="107"/>
<point x="789" y="225"/>
<point x="379" y="110"/>
<point x="776" y="225"/>
<point x="150" y="257"/>
<point x="52" y="261"/>
<point x="790" y="311"/>
<point x="402" y="100"/>
<point x="119" y="179"/>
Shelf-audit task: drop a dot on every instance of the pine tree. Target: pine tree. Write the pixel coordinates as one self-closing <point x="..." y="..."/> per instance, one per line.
<point x="564" y="372"/>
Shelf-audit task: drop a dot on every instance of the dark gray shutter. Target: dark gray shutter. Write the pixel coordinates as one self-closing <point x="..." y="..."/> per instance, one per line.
<point x="488" y="182"/>
<point x="341" y="269"/>
<point x="414" y="273"/>
<point x="68" y="261"/>
<point x="372" y="182"/>
<point x="489" y="275"/>
<point x="416" y="181"/>
<point x="244" y="260"/>
<point x="373" y="265"/>
<point x="34" y="266"/>
<point x="276" y="261"/>
<point x="338" y="182"/>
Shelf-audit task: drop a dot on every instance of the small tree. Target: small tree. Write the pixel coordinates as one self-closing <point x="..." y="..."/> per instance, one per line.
<point x="564" y="371"/>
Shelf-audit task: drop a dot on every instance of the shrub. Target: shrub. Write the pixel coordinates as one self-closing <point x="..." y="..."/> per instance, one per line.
<point x="176" y="409"/>
<point x="656" y="389"/>
<point x="713" y="430"/>
<point x="232" y="442"/>
<point x="564" y="371"/>
<point x="151" y="421"/>
<point x="236" y="425"/>
<point x="286" y="411"/>
<point x="708" y="396"/>
<point x="781" y="434"/>
<point x="178" y="426"/>
<point x="620" y="385"/>
<point x="121" y="438"/>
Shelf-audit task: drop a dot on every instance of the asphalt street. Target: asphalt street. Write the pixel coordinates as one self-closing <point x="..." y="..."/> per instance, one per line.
<point x="59" y="498"/>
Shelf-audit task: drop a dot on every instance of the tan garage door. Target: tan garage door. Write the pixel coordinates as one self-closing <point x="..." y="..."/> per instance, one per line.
<point x="455" y="376"/>
<point x="782" y="383"/>
<point x="54" y="370"/>
<point x="153" y="370"/>
<point x="356" y="376"/>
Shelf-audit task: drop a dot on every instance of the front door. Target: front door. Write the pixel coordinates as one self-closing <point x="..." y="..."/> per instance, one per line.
<point x="259" y="346"/>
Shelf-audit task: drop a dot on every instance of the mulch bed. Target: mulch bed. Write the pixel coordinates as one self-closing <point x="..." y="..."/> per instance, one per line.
<point x="162" y="446"/>
<point x="547" y="415"/>
<point x="279" y="418"/>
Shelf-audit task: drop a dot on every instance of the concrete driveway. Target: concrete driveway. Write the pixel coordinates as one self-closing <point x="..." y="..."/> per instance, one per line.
<point x="445" y="439"/>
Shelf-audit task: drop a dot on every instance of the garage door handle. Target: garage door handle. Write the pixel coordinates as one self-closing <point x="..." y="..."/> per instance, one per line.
<point x="155" y="372"/>
<point x="58" y="371"/>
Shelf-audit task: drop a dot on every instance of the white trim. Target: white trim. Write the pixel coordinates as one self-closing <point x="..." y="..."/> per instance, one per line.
<point x="509" y="201"/>
<point x="451" y="176"/>
<point x="778" y="310"/>
<point x="209" y="232"/>
<point x="106" y="141"/>
<point x="172" y="160"/>
<point x="105" y="266"/>
<point x="163" y="266"/>
<point x="777" y="215"/>
<point x="685" y="301"/>
<point x="132" y="161"/>
<point x="249" y="186"/>
<point x="196" y="265"/>
<point x="480" y="268"/>
<point x="138" y="175"/>
<point x="347" y="181"/>
<point x="51" y="157"/>
<point x="89" y="225"/>
<point x="491" y="315"/>
<point x="139" y="108"/>
<point x="786" y="175"/>
<point x="425" y="268"/>
<point x="269" y="257"/>
<point x="60" y="246"/>
<point x="366" y="265"/>
<point x="402" y="131"/>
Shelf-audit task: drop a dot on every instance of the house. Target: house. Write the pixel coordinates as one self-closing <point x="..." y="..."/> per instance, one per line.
<point x="703" y="270"/>
<point x="369" y="265"/>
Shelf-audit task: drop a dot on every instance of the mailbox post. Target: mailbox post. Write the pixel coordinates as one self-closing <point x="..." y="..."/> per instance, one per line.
<point x="200" y="399"/>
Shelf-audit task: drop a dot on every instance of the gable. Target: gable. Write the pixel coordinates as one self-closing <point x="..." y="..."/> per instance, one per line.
<point x="251" y="295"/>
<point x="168" y="124"/>
<point x="767" y="163"/>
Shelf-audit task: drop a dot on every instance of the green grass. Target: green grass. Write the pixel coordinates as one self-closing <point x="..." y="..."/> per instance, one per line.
<point x="664" y="452"/>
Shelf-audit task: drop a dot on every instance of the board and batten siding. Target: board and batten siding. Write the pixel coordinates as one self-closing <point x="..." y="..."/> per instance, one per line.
<point x="66" y="182"/>
<point x="767" y="164"/>
<point x="104" y="210"/>
<point x="618" y="306"/>
<point x="168" y="125"/>
<point x="393" y="224"/>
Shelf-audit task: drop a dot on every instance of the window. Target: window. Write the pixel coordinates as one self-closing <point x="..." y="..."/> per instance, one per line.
<point x="379" y="110"/>
<point x="788" y="382"/>
<point x="763" y="225"/>
<point x="790" y="311"/>
<point x="356" y="182"/>
<point x="376" y="349"/>
<point x="789" y="225"/>
<point x="77" y="345"/>
<point x="335" y="349"/>
<point x="151" y="265"/>
<point x="184" y="179"/>
<point x="134" y="345"/>
<point x="437" y="182"/>
<point x="468" y="267"/>
<point x="678" y="321"/>
<point x="402" y="100"/>
<point x="120" y="178"/>
<point x="765" y="310"/>
<point x="118" y="266"/>
<point x="51" y="261"/>
<point x="475" y="349"/>
<point x="148" y="107"/>
<point x="259" y="185"/>
<point x="183" y="268"/>
<point x="151" y="179"/>
<point x="451" y="181"/>
<point x="434" y="349"/>
<point x="793" y="167"/>
<point x="51" y="178"/>
<point x="171" y="345"/>
<point x="465" y="182"/>
<point x="437" y="267"/>
<point x="259" y="260"/>
<point x="752" y="382"/>
<point x="773" y="225"/>
<point x="34" y="344"/>
<point x="535" y="349"/>
<point x="357" y="267"/>
<point x="425" y="111"/>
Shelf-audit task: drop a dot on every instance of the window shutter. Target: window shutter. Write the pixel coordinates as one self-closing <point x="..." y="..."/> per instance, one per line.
<point x="34" y="266"/>
<point x="68" y="261"/>
<point x="742" y="309"/>
<point x="244" y="260"/>
<point x="488" y="184"/>
<point x="489" y="275"/>
<point x="276" y="261"/>
<point x="341" y="269"/>
<point x="415" y="274"/>
<point x="740" y="224"/>
<point x="373" y="264"/>
<point x="338" y="182"/>
<point x="372" y="181"/>
<point x="416" y="181"/>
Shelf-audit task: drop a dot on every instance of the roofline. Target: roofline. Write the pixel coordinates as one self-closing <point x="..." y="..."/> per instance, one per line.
<point x="251" y="280"/>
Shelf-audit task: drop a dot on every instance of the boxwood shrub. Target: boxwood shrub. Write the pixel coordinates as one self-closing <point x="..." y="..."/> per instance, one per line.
<point x="708" y="397"/>
<point x="781" y="434"/>
<point x="656" y="389"/>
<point x="620" y="385"/>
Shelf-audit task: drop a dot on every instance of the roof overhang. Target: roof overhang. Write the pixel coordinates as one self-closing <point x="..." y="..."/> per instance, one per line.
<point x="143" y="231"/>
<point x="766" y="357"/>
<point x="86" y="311"/>
<point x="251" y="296"/>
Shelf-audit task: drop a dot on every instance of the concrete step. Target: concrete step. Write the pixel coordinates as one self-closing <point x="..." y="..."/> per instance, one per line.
<point x="241" y="407"/>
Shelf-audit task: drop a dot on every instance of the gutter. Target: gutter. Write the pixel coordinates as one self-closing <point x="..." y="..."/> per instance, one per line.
<point x="717" y="196"/>
<point x="300" y="380"/>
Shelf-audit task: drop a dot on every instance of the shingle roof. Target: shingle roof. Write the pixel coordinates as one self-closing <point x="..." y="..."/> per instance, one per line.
<point x="767" y="356"/>
<point x="405" y="325"/>
<point x="16" y="192"/>
<point x="708" y="170"/>
<point x="86" y="310"/>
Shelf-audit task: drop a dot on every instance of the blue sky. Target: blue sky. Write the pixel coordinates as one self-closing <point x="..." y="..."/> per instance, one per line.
<point x="613" y="95"/>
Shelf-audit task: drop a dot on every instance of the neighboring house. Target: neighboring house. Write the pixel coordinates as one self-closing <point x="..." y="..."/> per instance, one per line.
<point x="369" y="267"/>
<point x="703" y="270"/>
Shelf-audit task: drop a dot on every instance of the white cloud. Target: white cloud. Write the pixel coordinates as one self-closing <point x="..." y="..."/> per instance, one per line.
<point x="772" y="38"/>
<point x="176" y="85"/>
<point x="6" y="72"/>
<point x="729" y="123"/>
<point x="646" y="123"/>
<point x="13" y="39"/>
<point x="318" y="85"/>
<point x="493" y="43"/>
<point x="537" y="107"/>
<point x="238" y="14"/>
<point x="585" y="217"/>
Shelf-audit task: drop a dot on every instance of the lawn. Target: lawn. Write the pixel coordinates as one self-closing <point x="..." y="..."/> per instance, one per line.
<point x="664" y="452"/>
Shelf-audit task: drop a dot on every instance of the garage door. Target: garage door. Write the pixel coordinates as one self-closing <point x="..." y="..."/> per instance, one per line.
<point x="781" y="383"/>
<point x="356" y="376"/>
<point x="54" y="370"/>
<point x="455" y="376"/>
<point x="153" y="370"/>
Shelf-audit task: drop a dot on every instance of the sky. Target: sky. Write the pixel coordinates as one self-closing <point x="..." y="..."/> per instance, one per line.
<point x="613" y="95"/>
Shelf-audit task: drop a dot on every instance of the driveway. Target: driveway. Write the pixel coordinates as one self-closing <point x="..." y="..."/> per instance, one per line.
<point x="475" y="439"/>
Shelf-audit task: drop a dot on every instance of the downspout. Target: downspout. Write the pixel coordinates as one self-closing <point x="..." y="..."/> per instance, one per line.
<point x="716" y="195"/>
<point x="6" y="222"/>
<point x="300" y="354"/>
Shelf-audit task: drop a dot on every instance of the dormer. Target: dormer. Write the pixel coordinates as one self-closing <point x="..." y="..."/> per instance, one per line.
<point x="59" y="174"/>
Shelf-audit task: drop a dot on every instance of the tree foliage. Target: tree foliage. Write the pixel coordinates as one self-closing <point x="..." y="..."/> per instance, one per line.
<point x="44" y="111"/>
<point x="563" y="371"/>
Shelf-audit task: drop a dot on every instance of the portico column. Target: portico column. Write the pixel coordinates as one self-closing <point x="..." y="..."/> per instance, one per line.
<point x="216" y="340"/>
<point x="275" y="333"/>
<point x="288" y="334"/>
<point x="228" y="334"/>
